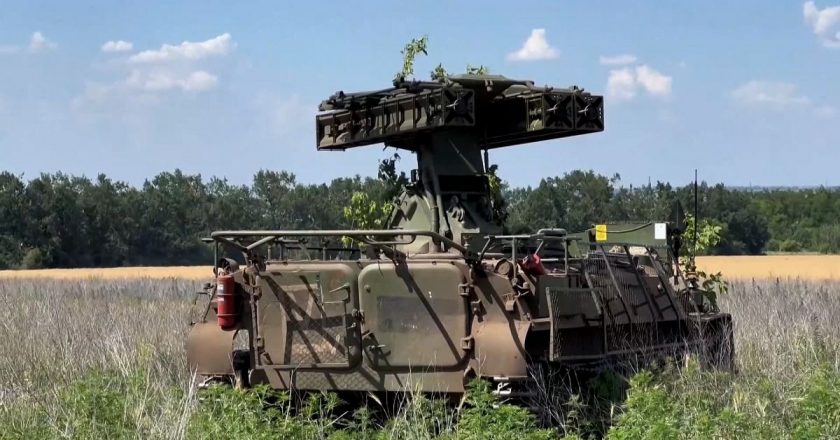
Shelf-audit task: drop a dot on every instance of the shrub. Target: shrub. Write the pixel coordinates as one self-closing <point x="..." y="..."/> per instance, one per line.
<point x="34" y="259"/>
<point x="817" y="412"/>
<point x="695" y="404"/>
<point x="790" y="246"/>
<point x="486" y="418"/>
<point x="259" y="413"/>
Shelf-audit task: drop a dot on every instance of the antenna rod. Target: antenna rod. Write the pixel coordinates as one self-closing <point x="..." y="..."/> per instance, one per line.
<point x="696" y="220"/>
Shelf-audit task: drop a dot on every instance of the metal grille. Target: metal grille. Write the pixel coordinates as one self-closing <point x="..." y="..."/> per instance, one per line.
<point x="625" y="297"/>
<point x="316" y="329"/>
<point x="598" y="277"/>
<point x="632" y="321"/>
<point x="631" y="286"/>
<point x="576" y="323"/>
<point x="316" y="341"/>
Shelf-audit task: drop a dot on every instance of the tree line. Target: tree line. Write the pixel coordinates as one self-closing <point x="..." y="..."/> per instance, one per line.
<point x="60" y="220"/>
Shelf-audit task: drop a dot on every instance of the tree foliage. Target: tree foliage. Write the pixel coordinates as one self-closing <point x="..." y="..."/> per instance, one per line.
<point x="59" y="220"/>
<point x="706" y="236"/>
<point x="371" y="210"/>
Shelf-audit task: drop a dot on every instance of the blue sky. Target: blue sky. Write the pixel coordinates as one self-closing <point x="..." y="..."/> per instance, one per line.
<point x="748" y="90"/>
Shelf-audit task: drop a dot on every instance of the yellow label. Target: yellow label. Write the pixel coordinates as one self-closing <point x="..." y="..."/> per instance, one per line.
<point x="600" y="232"/>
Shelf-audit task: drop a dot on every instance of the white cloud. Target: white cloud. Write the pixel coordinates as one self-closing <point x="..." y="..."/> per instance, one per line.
<point x="618" y="60"/>
<point x="779" y="96"/>
<point x="149" y="76"/>
<point x="39" y="43"/>
<point x="621" y="84"/>
<point x="769" y="94"/>
<point x="198" y="81"/>
<point x="654" y="82"/>
<point x="824" y="22"/>
<point x="117" y="46"/>
<point x="220" y="45"/>
<point x="535" y="48"/>
<point x="625" y="83"/>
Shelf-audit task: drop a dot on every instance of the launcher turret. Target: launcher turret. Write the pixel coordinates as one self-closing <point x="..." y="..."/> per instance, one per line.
<point x="450" y="125"/>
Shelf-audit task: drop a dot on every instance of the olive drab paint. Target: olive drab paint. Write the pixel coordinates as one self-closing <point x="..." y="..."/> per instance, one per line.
<point x="443" y="294"/>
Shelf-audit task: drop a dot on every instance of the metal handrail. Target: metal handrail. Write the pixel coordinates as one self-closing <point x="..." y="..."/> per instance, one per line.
<point x="360" y="234"/>
<point x="543" y="235"/>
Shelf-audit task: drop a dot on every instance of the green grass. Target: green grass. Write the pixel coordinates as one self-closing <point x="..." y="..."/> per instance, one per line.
<point x="110" y="405"/>
<point x="691" y="404"/>
<point x="104" y="359"/>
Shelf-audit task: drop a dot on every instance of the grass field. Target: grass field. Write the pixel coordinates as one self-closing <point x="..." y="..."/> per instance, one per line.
<point x="806" y="267"/>
<point x="104" y="358"/>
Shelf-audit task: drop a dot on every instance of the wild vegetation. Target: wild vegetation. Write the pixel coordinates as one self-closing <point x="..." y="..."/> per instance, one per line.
<point x="104" y="359"/>
<point x="58" y="220"/>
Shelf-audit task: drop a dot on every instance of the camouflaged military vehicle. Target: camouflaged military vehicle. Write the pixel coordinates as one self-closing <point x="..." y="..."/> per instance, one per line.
<point x="442" y="295"/>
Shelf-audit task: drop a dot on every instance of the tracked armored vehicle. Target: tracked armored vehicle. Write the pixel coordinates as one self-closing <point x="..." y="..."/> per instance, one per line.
<point x="442" y="294"/>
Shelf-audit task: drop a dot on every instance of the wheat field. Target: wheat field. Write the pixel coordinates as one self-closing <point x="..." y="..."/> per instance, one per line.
<point x="805" y="267"/>
<point x="114" y="273"/>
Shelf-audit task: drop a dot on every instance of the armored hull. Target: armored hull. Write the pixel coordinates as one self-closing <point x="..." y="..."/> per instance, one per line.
<point x="431" y="322"/>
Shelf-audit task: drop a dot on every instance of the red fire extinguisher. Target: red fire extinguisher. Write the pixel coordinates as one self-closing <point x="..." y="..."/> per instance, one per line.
<point x="532" y="264"/>
<point x="226" y="301"/>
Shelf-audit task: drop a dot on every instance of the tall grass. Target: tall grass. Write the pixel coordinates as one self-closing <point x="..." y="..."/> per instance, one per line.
<point x="105" y="359"/>
<point x="123" y="337"/>
<point x="788" y="379"/>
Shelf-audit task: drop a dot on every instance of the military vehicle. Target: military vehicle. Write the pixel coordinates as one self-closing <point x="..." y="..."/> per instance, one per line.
<point x="441" y="294"/>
